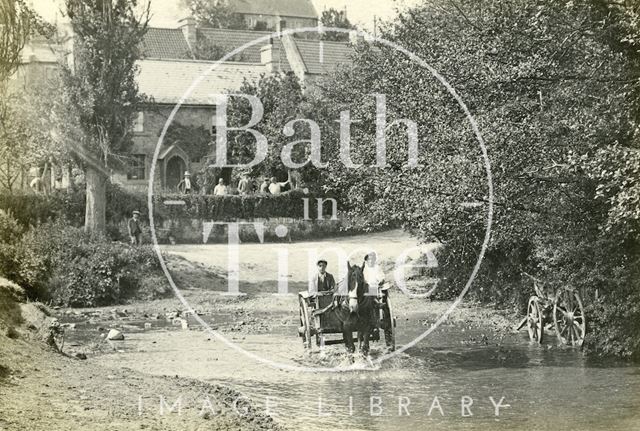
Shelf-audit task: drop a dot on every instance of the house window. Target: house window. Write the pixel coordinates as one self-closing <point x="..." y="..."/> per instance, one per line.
<point x="136" y="169"/>
<point x="138" y="123"/>
<point x="283" y="25"/>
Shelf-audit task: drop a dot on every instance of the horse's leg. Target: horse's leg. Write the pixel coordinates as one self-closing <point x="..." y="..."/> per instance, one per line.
<point x="364" y="346"/>
<point x="348" y="341"/>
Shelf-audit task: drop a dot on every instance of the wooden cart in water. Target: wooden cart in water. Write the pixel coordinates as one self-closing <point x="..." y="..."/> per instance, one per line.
<point x="560" y="310"/>
<point x="316" y="323"/>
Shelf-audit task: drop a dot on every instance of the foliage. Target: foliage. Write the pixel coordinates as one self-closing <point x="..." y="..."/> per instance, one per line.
<point x="102" y="89"/>
<point x="38" y="128"/>
<point x="10" y="296"/>
<point x="15" y="152"/>
<point x="207" y="49"/>
<point x="10" y="234"/>
<point x="35" y="209"/>
<point x="70" y="267"/>
<point x="337" y="19"/>
<point x="18" y="23"/>
<point x="215" y="14"/>
<point x="283" y="101"/>
<point x="554" y="89"/>
<point x="194" y="140"/>
<point x="102" y="84"/>
<point x="236" y="207"/>
<point x="10" y="230"/>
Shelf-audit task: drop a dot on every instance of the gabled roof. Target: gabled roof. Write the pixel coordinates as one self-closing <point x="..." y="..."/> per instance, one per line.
<point x="230" y="40"/>
<point x="170" y="44"/>
<point x="167" y="80"/>
<point x="165" y="43"/>
<point x="323" y="57"/>
<point x="291" y="8"/>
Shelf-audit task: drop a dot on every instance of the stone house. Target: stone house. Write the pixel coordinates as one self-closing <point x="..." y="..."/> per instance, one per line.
<point x="276" y="15"/>
<point x="169" y="69"/>
<point x="170" y="66"/>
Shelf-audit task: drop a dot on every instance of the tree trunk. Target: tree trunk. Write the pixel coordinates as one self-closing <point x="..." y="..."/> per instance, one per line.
<point x="94" y="218"/>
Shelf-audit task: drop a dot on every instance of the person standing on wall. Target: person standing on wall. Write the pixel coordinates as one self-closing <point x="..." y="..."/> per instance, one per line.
<point x="264" y="187"/>
<point x="220" y="189"/>
<point x="185" y="185"/>
<point x="243" y="185"/>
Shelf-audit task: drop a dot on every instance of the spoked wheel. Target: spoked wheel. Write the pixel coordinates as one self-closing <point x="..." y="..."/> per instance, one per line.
<point x="389" y="324"/>
<point x="305" y="324"/>
<point x="535" y="325"/>
<point x="568" y="317"/>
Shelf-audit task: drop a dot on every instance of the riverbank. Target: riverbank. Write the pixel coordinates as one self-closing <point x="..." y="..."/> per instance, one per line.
<point x="170" y="372"/>
<point x="136" y="383"/>
<point x="40" y="388"/>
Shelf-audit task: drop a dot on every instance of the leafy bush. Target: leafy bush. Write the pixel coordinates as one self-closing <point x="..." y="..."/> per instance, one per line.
<point x="10" y="295"/>
<point x="10" y="234"/>
<point x="234" y="207"/>
<point x="10" y="229"/>
<point x="32" y="209"/>
<point x="69" y="267"/>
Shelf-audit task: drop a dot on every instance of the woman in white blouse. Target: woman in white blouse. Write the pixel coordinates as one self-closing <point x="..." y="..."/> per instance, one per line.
<point x="375" y="279"/>
<point x="373" y="274"/>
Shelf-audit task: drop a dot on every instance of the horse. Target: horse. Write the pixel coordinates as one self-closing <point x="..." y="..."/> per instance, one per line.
<point x="356" y="311"/>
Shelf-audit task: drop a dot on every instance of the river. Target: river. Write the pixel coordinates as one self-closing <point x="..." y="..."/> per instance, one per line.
<point x="451" y="380"/>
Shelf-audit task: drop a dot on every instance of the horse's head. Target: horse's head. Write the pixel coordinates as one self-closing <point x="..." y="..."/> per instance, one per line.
<point x="356" y="286"/>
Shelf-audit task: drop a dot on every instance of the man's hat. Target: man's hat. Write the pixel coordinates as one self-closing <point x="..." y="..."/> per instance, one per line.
<point x="322" y="261"/>
<point x="187" y="174"/>
<point x="136" y="212"/>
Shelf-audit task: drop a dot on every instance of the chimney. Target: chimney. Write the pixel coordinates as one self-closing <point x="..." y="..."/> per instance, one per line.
<point x="188" y="27"/>
<point x="270" y="58"/>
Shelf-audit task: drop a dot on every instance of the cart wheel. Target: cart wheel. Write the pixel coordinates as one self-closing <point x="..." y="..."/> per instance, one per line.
<point x="535" y="325"/>
<point x="389" y="325"/>
<point x="568" y="317"/>
<point x="305" y="324"/>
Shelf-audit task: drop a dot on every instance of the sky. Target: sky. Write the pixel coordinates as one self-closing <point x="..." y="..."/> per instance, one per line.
<point x="166" y="13"/>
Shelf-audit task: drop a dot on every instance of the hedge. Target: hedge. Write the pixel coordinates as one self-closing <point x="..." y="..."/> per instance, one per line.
<point x="236" y="207"/>
<point x="32" y="209"/>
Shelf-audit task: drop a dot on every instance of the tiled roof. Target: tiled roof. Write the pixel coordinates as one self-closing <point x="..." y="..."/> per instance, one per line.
<point x="232" y="39"/>
<point x="323" y="57"/>
<point x="293" y="8"/>
<point x="167" y="81"/>
<point x="165" y="43"/>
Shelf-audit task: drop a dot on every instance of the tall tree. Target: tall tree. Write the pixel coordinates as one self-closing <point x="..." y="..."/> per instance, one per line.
<point x="215" y="14"/>
<point x="283" y="101"/>
<point x="14" y="150"/>
<point x="102" y="88"/>
<point x="338" y="19"/>
<point x="18" y="23"/>
<point x="554" y="88"/>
